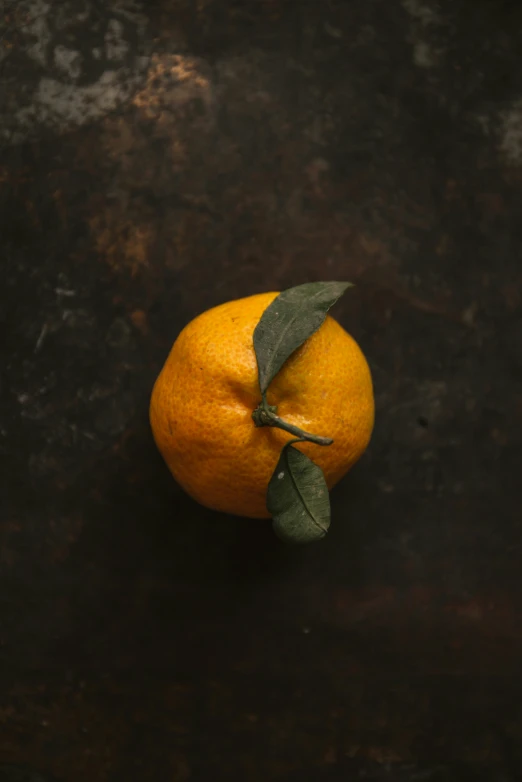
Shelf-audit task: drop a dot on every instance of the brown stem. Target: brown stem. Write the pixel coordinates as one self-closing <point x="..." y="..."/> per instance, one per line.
<point x="266" y="415"/>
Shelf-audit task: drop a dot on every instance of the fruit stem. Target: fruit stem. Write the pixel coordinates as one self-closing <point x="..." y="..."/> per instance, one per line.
<point x="266" y="415"/>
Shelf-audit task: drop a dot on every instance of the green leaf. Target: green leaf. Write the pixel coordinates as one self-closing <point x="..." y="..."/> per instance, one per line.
<point x="288" y="322"/>
<point x="298" y="498"/>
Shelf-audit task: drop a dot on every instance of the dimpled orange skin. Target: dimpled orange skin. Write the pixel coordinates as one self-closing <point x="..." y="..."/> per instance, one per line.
<point x="202" y="403"/>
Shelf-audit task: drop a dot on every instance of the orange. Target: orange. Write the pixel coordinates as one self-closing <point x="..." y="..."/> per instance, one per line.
<point x="202" y="403"/>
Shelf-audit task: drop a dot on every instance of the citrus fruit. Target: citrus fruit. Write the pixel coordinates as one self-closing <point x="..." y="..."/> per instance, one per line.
<point x="203" y="400"/>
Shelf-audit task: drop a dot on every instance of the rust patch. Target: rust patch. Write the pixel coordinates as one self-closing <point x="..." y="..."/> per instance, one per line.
<point x="122" y="242"/>
<point x="173" y="80"/>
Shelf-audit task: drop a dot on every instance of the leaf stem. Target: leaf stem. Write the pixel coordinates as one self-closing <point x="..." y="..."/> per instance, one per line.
<point x="266" y="415"/>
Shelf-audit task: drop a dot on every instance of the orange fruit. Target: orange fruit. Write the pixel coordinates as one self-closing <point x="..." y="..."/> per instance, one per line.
<point x="202" y="403"/>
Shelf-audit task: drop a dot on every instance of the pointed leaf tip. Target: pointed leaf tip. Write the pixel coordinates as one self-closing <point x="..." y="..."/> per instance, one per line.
<point x="298" y="498"/>
<point x="288" y="322"/>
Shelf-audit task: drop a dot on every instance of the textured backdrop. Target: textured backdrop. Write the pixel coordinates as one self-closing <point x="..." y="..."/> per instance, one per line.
<point x="157" y="159"/>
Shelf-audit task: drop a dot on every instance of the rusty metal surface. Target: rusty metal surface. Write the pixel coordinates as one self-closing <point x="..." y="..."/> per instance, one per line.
<point x="155" y="161"/>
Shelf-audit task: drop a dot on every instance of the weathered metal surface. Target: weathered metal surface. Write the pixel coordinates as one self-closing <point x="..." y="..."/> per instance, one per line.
<point x="155" y="162"/>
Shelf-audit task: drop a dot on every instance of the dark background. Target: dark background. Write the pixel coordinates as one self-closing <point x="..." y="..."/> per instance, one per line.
<point x="158" y="160"/>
